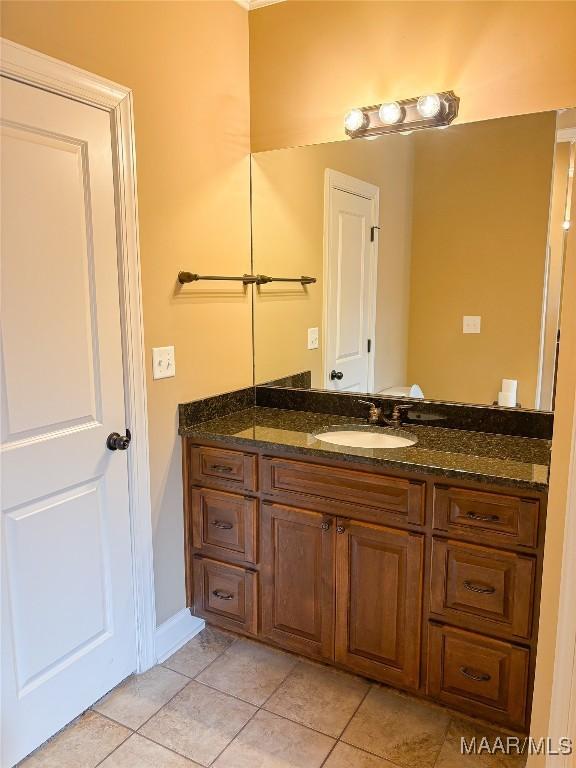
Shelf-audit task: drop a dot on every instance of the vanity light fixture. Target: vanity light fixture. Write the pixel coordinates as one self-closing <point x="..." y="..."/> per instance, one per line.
<point x="391" y="113"/>
<point x="433" y="110"/>
<point x="355" y="120"/>
<point x="429" y="106"/>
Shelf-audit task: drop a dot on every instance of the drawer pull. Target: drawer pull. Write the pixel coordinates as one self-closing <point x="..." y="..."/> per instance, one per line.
<point x="221" y="595"/>
<point x="471" y="587"/>
<point x="483" y="518"/>
<point x="222" y="525"/>
<point x="482" y="677"/>
<point x="221" y="468"/>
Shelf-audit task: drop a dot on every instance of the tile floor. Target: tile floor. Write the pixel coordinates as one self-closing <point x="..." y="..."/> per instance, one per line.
<point x="228" y="702"/>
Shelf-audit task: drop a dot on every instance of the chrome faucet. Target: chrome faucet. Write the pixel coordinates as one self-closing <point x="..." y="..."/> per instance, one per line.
<point x="396" y="418"/>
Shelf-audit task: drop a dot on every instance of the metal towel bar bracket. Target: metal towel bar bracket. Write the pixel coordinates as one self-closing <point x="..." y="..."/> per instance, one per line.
<point x="192" y="277"/>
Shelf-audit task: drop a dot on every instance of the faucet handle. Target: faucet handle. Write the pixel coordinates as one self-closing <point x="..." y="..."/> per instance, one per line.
<point x="401" y="411"/>
<point x="375" y="412"/>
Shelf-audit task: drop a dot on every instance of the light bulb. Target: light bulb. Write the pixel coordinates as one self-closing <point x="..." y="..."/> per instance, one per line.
<point x="355" y="119"/>
<point x="429" y="106"/>
<point x="391" y="113"/>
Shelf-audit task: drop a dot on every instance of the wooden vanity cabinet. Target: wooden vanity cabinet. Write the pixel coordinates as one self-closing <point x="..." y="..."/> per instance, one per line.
<point x="428" y="586"/>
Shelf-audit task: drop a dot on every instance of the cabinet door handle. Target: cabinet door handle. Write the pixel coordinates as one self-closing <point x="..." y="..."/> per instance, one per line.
<point x="481" y="677"/>
<point x="222" y="525"/>
<point x="221" y="468"/>
<point x="340" y="529"/>
<point x="483" y="518"/>
<point x="325" y="525"/>
<point x="481" y="590"/>
<point x="221" y="595"/>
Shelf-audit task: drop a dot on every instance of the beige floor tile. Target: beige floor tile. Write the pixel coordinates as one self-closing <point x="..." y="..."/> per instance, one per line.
<point x="140" y="696"/>
<point x="345" y="756"/>
<point x="82" y="744"/>
<point x="401" y="729"/>
<point x="319" y="697"/>
<point x="138" y="752"/>
<point x="451" y="755"/>
<point x="249" y="670"/>
<point x="199" y="722"/>
<point x="269" y="741"/>
<point x="200" y="651"/>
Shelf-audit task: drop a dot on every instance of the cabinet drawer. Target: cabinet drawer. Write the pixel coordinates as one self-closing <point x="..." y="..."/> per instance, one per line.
<point x="374" y="497"/>
<point x="224" y="525"/>
<point x="226" y="594"/>
<point x="218" y="468"/>
<point x="487" y="517"/>
<point x="487" y="678"/>
<point x="479" y="588"/>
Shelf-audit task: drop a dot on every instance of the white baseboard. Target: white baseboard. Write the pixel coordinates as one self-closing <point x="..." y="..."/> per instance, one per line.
<point x="176" y="632"/>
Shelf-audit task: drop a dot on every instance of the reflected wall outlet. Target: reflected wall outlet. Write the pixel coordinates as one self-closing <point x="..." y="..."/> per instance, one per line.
<point x="163" y="362"/>
<point x="312" y="338"/>
<point x="471" y="323"/>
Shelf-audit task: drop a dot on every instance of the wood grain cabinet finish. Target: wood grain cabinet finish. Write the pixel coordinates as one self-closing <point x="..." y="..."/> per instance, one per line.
<point x="225" y="525"/>
<point x="481" y="588"/>
<point x="226" y="594"/>
<point x="491" y="518"/>
<point x="342" y="565"/>
<point x="219" y="468"/>
<point x="298" y="579"/>
<point x="379" y="601"/>
<point x="484" y="677"/>
<point x="360" y="494"/>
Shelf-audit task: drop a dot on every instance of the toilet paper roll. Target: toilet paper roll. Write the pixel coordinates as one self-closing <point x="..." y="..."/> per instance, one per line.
<point x="507" y="399"/>
<point x="510" y="386"/>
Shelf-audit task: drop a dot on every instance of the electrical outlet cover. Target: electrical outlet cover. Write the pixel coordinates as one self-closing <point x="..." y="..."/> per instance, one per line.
<point x="313" y="338"/>
<point x="471" y="323"/>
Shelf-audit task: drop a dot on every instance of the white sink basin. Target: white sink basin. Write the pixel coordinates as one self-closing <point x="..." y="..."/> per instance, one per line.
<point x="357" y="438"/>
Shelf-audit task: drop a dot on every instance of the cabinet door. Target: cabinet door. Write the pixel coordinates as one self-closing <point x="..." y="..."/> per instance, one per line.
<point x="379" y="602"/>
<point x="297" y="571"/>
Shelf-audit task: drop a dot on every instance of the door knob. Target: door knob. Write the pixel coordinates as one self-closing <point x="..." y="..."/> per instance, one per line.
<point x="116" y="442"/>
<point x="336" y="375"/>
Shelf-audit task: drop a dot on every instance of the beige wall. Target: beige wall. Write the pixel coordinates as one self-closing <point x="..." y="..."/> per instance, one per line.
<point x="479" y="239"/>
<point x="288" y="232"/>
<point x="186" y="62"/>
<point x="311" y="61"/>
<point x="564" y="428"/>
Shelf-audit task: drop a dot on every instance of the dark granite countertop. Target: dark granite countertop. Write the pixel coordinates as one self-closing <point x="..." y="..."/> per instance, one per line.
<point x="519" y="462"/>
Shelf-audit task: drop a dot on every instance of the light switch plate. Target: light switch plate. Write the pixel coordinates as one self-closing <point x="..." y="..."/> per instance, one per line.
<point x="163" y="362"/>
<point x="471" y="323"/>
<point x="312" y="338"/>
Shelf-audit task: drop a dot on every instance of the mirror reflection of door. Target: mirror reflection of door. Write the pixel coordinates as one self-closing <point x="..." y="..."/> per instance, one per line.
<point x="350" y="262"/>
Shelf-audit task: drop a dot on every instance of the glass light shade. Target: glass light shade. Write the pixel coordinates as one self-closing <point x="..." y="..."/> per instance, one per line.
<point x="354" y="120"/>
<point x="429" y="106"/>
<point x="390" y="113"/>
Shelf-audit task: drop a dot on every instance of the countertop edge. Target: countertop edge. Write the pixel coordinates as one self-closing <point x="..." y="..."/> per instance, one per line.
<point x="506" y="482"/>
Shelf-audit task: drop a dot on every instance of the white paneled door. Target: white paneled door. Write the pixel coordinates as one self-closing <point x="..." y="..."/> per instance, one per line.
<point x="351" y="223"/>
<point x="68" y="623"/>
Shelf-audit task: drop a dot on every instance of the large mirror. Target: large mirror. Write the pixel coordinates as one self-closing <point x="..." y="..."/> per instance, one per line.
<point x="437" y="257"/>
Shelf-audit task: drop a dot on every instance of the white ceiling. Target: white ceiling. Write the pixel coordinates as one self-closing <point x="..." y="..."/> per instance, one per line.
<point x="250" y="5"/>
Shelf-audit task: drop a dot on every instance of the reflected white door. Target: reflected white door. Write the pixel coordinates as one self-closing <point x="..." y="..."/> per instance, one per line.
<point x="68" y="624"/>
<point x="350" y="283"/>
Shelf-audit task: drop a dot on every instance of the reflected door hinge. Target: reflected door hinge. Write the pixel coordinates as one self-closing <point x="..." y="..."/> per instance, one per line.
<point x="373" y="233"/>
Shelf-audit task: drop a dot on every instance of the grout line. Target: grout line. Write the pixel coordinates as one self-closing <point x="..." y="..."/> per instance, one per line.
<point x="204" y="668"/>
<point x="115" y="748"/>
<point x="352" y="716"/>
<point x="233" y="739"/>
